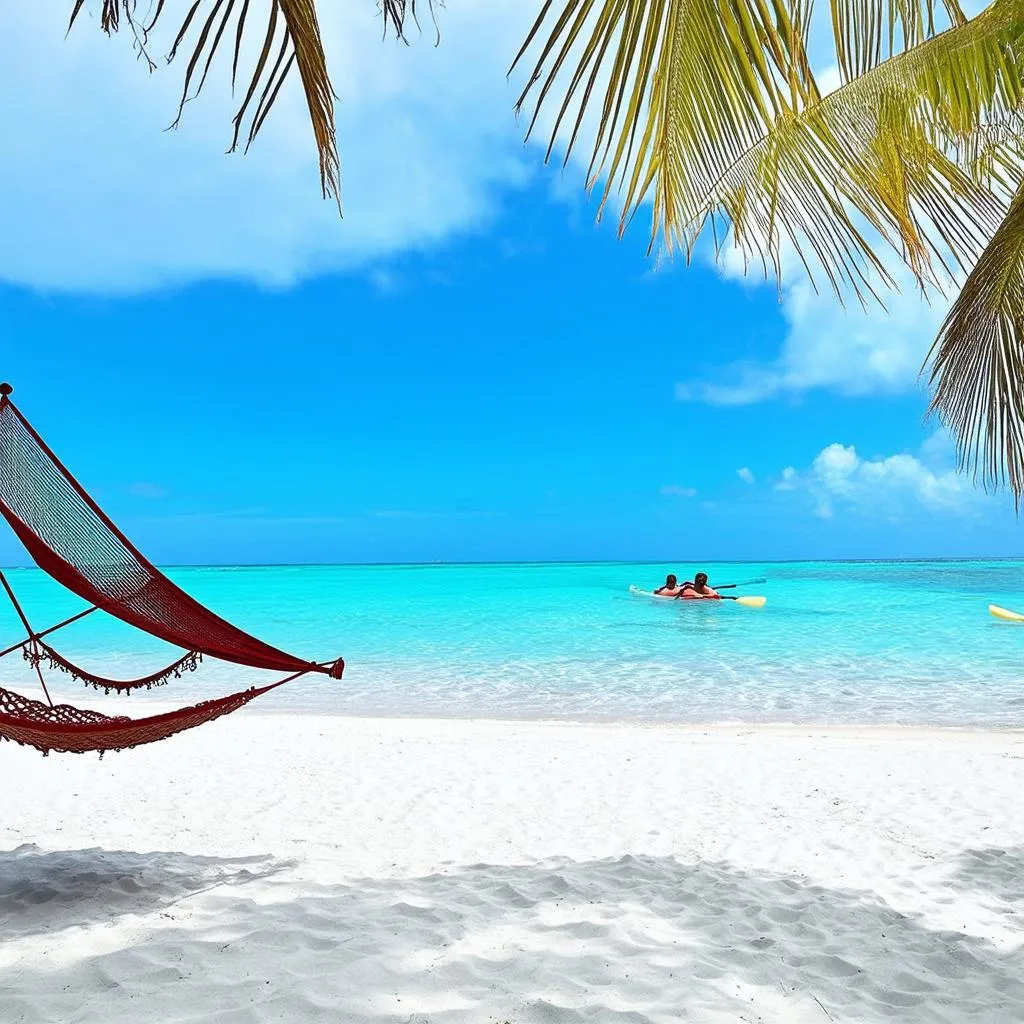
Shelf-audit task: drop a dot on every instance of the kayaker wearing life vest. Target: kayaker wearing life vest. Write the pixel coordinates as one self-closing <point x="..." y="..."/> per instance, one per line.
<point x="697" y="589"/>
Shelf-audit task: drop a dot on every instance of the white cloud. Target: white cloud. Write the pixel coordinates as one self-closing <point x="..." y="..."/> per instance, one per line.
<point x="745" y="475"/>
<point x="98" y="198"/>
<point x="890" y="487"/>
<point x="787" y="479"/>
<point x="851" y="350"/>
<point x="824" y="509"/>
<point x="678" y="491"/>
<point x="848" y="349"/>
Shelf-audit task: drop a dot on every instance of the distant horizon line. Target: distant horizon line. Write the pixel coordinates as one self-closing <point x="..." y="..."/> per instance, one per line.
<point x="433" y="564"/>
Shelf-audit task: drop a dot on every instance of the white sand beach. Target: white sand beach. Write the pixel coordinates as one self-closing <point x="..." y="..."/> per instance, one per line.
<point x="289" y="868"/>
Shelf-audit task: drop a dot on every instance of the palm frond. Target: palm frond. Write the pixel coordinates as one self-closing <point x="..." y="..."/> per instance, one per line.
<point x="992" y="154"/>
<point x="881" y="151"/>
<point x="691" y="85"/>
<point x="712" y="130"/>
<point x="291" y="38"/>
<point x="978" y="372"/>
<point x="866" y="32"/>
<point x="398" y="13"/>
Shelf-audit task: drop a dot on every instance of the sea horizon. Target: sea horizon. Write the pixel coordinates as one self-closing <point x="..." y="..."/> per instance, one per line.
<point x="858" y="560"/>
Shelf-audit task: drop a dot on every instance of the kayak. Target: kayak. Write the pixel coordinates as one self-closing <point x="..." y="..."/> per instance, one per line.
<point x="636" y="591"/>
<point x="748" y="600"/>
<point x="1005" y="614"/>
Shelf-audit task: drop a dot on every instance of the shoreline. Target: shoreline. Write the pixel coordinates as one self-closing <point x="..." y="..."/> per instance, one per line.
<point x="144" y="704"/>
<point x="140" y="706"/>
<point x="711" y="727"/>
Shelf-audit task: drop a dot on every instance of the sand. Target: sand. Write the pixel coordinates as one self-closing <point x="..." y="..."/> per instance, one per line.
<point x="289" y="868"/>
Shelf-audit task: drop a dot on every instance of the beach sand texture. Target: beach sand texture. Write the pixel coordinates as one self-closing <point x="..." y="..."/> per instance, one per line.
<point x="301" y="868"/>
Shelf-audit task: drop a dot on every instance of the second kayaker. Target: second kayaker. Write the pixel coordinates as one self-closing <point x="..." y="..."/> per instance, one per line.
<point x="697" y="589"/>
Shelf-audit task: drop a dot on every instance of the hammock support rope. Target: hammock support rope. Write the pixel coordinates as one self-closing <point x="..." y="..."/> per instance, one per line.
<point x="73" y="541"/>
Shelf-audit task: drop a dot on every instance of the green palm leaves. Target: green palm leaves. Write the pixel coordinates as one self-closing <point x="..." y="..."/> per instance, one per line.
<point x="290" y="39"/>
<point x="708" y="109"/>
<point x="979" y="359"/>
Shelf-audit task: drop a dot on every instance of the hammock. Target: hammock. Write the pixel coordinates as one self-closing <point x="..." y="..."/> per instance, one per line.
<point x="71" y="539"/>
<point x="73" y="730"/>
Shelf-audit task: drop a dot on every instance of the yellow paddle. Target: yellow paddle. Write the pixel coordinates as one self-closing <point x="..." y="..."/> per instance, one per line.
<point x="749" y="602"/>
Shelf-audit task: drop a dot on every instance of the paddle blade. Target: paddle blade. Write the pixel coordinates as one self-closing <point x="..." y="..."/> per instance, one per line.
<point x="752" y="602"/>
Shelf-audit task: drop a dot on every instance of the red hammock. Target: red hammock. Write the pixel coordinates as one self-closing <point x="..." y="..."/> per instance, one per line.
<point x="70" y="538"/>
<point x="70" y="730"/>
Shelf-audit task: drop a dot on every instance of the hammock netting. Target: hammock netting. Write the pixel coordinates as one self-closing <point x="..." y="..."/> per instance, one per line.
<point x="70" y="538"/>
<point x="69" y="730"/>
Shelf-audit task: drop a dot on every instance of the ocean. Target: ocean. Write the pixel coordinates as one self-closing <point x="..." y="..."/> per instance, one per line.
<point x="838" y="642"/>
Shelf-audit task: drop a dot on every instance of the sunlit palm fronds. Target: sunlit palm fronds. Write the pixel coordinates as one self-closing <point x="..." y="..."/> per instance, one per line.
<point x="866" y="32"/>
<point x="398" y="13"/>
<point x="712" y="130"/>
<point x="881" y="153"/>
<point x="978" y="370"/>
<point x="684" y="88"/>
<point x="709" y="112"/>
<point x="291" y="38"/>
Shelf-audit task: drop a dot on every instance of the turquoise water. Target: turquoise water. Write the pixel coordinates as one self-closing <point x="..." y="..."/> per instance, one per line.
<point x="871" y="642"/>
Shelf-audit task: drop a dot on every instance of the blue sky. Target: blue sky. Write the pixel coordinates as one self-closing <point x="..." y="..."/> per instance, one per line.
<point x="465" y="368"/>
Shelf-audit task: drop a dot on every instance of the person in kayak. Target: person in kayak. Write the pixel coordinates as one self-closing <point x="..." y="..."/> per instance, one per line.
<point x="671" y="587"/>
<point x="697" y="589"/>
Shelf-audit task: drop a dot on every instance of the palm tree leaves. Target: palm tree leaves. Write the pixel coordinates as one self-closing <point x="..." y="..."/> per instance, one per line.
<point x="397" y="13"/>
<point x="690" y="86"/>
<point x="978" y="369"/>
<point x="866" y="32"/>
<point x="291" y="38"/>
<point x="880" y="153"/>
<point x="713" y="115"/>
<point x="728" y="124"/>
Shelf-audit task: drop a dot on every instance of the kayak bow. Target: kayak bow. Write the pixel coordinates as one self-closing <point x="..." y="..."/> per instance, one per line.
<point x="1005" y="614"/>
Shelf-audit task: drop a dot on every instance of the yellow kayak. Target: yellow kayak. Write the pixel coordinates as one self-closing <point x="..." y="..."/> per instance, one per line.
<point x="1005" y="614"/>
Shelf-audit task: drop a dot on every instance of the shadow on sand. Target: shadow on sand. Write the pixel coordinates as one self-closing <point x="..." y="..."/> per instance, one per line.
<point x="633" y="939"/>
<point x="47" y="891"/>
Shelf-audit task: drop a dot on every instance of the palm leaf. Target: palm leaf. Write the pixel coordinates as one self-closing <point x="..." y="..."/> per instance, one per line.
<point x="398" y="13"/>
<point x="291" y="39"/>
<point x="866" y="32"/>
<point x="874" y="159"/>
<point x="978" y="372"/>
<point x="691" y="85"/>
<point x="882" y="152"/>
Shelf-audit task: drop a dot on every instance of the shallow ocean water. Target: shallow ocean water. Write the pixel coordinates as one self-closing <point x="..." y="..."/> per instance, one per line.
<point x="851" y="642"/>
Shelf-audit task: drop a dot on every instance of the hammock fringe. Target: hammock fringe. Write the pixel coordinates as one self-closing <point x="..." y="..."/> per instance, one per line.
<point x="37" y="653"/>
